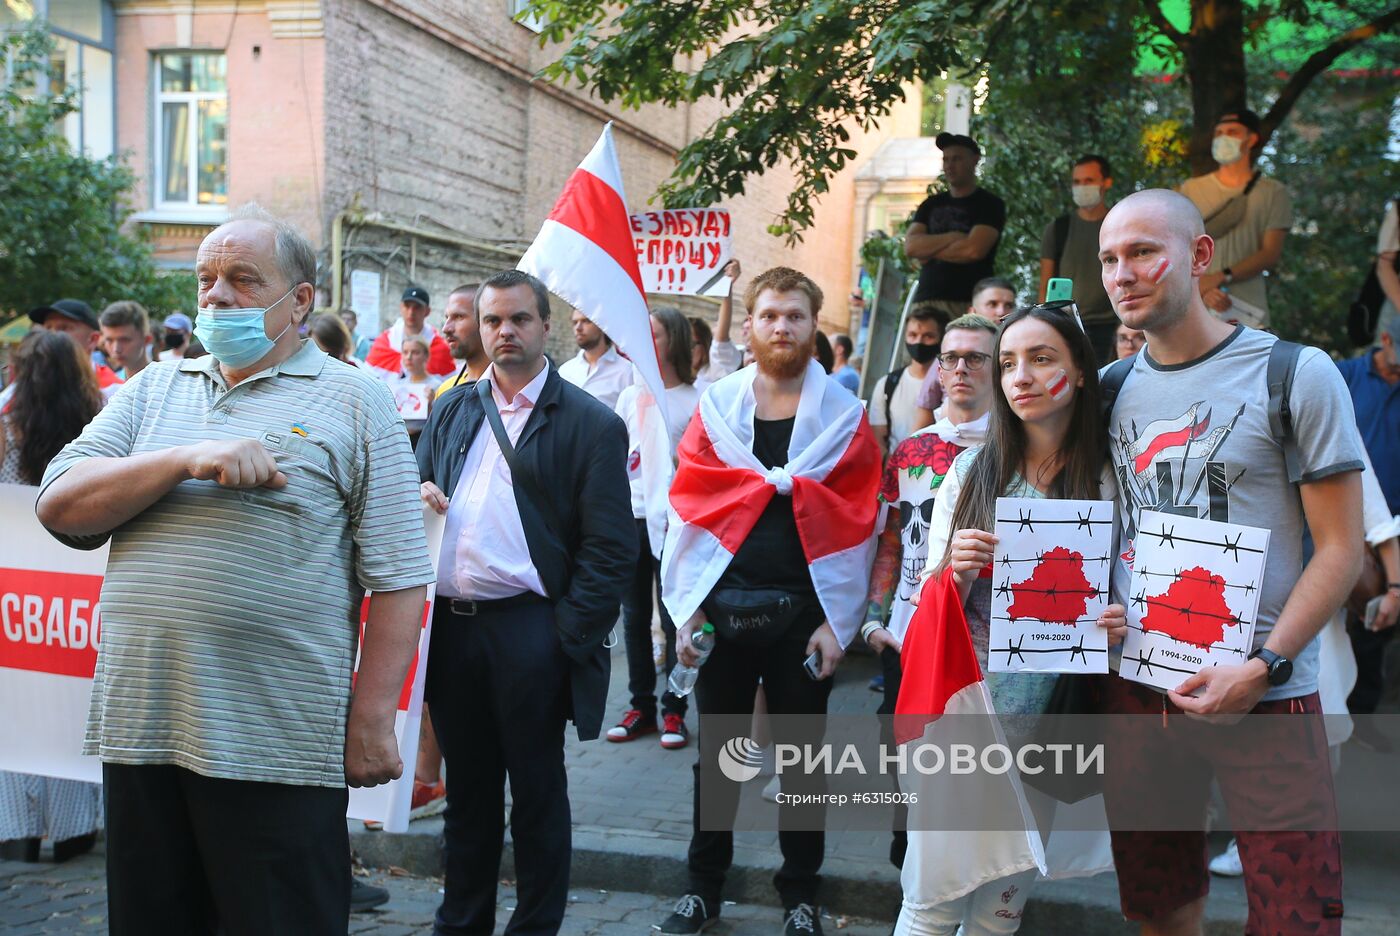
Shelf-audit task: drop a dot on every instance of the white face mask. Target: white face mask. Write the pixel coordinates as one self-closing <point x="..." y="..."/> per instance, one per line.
<point x="1226" y="150"/>
<point x="1086" y="196"/>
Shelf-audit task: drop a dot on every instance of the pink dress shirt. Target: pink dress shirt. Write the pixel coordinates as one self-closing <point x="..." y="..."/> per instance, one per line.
<point x="484" y="553"/>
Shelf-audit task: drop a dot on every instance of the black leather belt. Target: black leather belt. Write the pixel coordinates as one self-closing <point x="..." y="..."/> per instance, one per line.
<point x="467" y="607"/>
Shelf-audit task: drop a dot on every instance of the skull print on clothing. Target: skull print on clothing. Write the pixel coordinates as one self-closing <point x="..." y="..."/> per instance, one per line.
<point x="912" y="475"/>
<point x="913" y="538"/>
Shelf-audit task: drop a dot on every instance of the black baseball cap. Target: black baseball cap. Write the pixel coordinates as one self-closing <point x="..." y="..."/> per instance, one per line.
<point x="75" y="309"/>
<point x="1244" y="116"/>
<point x="945" y="140"/>
<point x="416" y="294"/>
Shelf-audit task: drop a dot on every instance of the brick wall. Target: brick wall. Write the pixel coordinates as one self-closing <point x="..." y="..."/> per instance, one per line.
<point x="432" y="120"/>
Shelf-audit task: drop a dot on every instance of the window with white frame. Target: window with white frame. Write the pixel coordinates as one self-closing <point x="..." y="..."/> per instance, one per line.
<point x="81" y="65"/>
<point x="532" y="22"/>
<point x="191" y="131"/>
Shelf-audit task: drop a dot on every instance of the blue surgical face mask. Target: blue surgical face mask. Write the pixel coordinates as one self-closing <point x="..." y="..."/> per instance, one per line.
<point x="237" y="337"/>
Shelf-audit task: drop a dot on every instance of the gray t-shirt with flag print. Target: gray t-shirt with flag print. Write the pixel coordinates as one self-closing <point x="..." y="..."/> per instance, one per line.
<point x="1194" y="439"/>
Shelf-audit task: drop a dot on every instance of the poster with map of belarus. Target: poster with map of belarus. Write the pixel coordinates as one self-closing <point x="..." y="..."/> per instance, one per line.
<point x="1192" y="597"/>
<point x="1049" y="585"/>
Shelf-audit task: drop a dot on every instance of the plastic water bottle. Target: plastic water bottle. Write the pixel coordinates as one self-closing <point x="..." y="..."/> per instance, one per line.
<point x="683" y="677"/>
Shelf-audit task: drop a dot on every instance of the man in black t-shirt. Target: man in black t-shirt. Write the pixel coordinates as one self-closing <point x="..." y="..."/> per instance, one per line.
<point x="955" y="233"/>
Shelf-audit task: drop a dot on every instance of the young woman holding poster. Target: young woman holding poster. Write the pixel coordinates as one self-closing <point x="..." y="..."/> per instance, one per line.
<point x="1045" y="439"/>
<point x="55" y="396"/>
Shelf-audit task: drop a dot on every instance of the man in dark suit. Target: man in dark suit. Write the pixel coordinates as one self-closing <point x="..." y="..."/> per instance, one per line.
<point x="531" y="473"/>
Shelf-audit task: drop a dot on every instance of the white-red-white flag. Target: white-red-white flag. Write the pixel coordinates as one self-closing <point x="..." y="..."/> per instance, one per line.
<point x="942" y="677"/>
<point x="585" y="254"/>
<point x="721" y="488"/>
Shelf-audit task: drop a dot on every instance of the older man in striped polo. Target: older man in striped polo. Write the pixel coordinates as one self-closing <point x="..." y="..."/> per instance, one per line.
<point x="250" y="497"/>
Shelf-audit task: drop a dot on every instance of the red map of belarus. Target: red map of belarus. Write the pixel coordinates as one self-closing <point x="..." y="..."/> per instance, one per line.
<point x="1057" y="591"/>
<point x="1192" y="611"/>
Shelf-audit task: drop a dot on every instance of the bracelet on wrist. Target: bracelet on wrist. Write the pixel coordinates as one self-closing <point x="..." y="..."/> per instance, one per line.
<point x="868" y="628"/>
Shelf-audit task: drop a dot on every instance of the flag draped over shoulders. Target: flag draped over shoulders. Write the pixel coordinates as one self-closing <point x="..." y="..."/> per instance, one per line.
<point x="721" y="489"/>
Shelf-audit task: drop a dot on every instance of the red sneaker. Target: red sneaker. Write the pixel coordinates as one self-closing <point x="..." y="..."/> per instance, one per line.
<point x="429" y="799"/>
<point x="633" y="725"/>
<point x="673" y="732"/>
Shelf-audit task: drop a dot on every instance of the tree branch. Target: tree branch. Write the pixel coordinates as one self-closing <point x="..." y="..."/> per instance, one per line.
<point x="1159" y="20"/>
<point x="1318" y="62"/>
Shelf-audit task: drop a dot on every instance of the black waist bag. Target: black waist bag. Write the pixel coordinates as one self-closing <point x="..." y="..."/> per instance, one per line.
<point x="752" y="617"/>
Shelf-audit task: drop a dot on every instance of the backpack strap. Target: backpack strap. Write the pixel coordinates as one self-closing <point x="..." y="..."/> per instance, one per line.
<point x="1283" y="361"/>
<point x="891" y="384"/>
<point x="1061" y="235"/>
<point x="1110" y="383"/>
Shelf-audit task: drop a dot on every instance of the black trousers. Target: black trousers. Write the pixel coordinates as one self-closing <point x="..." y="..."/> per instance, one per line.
<point x="191" y="854"/>
<point x="1370" y="647"/>
<point x="636" y="632"/>
<point x="498" y="684"/>
<point x="894" y="673"/>
<point x="727" y="684"/>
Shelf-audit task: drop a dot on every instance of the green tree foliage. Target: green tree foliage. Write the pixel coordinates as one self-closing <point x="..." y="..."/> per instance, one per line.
<point x="1332" y="154"/>
<point x="1064" y="78"/>
<point x="61" y="213"/>
<point x="797" y="75"/>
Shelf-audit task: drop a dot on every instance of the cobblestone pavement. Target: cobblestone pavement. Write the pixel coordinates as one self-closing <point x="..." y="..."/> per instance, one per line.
<point x="72" y="898"/>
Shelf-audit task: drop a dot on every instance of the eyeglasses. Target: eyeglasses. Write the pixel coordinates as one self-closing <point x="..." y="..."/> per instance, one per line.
<point x="975" y="360"/>
<point x="1064" y="307"/>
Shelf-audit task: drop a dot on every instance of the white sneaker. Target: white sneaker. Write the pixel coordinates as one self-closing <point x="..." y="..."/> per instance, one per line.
<point x="774" y="787"/>
<point x="1227" y="863"/>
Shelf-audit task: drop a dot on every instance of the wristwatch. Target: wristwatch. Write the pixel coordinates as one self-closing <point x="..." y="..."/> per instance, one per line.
<point x="1280" y="667"/>
<point x="1229" y="275"/>
<point x="1393" y="586"/>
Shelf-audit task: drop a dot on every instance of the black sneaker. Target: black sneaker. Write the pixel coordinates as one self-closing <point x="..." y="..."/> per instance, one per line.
<point x="366" y="896"/>
<point x="633" y="725"/>
<point x="692" y="915"/>
<point x="802" y="920"/>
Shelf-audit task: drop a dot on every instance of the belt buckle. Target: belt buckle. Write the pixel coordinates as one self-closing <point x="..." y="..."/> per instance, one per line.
<point x="466" y="607"/>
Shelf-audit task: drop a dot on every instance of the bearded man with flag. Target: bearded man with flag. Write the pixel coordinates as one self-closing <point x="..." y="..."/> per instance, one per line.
<point x="771" y="538"/>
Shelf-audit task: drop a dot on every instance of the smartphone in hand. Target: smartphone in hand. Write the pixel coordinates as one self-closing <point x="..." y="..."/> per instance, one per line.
<point x="813" y="665"/>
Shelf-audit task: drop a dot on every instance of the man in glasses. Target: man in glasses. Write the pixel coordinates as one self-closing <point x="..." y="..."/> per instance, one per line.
<point x="907" y="489"/>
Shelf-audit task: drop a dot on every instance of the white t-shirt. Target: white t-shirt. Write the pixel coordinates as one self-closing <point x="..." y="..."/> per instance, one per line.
<point x="724" y="360"/>
<point x="681" y="402"/>
<point x="1389" y="241"/>
<point x="413" y="398"/>
<point x="902" y="407"/>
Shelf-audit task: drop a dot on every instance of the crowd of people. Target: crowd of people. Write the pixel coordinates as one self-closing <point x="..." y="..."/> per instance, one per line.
<point x="759" y="500"/>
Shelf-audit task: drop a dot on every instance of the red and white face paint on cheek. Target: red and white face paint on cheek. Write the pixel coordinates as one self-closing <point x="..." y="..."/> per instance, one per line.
<point x="1160" y="269"/>
<point x="1058" y="386"/>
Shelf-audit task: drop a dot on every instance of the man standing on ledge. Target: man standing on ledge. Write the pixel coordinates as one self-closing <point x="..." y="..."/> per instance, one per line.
<point x="532" y="474"/>
<point x="955" y="233"/>
<point x="276" y="485"/>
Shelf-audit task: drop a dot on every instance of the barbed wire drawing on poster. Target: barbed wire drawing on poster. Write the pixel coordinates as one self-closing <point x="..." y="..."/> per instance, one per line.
<point x="1192" y="598"/>
<point x="1050" y="576"/>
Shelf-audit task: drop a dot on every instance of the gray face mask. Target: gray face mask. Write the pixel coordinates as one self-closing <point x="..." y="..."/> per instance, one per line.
<point x="1086" y="196"/>
<point x="1226" y="150"/>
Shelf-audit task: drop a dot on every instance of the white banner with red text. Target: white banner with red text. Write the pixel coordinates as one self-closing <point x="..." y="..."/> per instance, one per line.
<point x="683" y="250"/>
